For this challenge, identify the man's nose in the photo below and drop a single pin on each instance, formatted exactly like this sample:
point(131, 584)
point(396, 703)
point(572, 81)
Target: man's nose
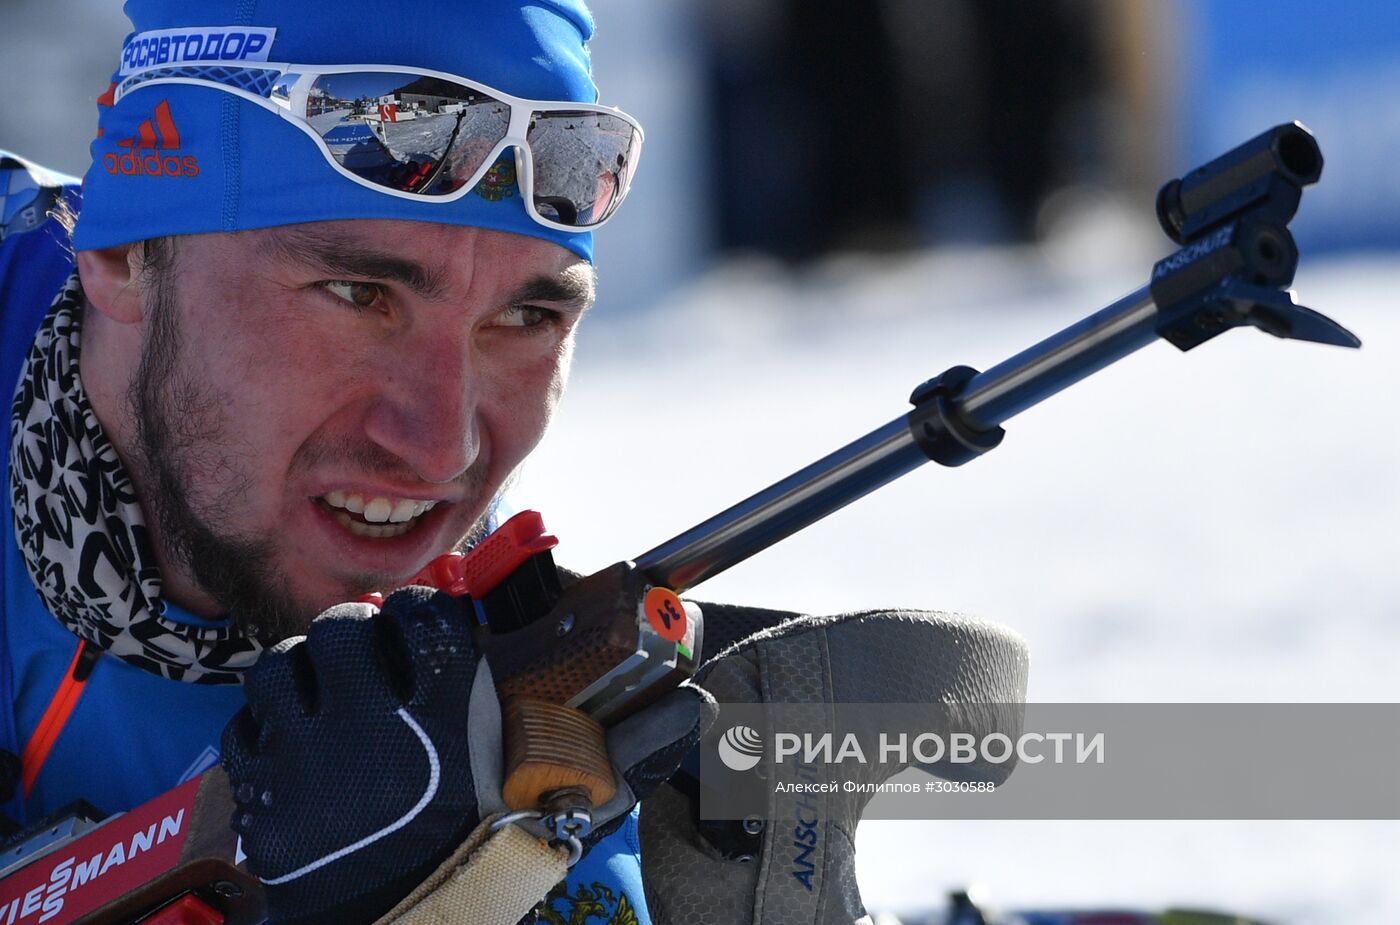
point(426, 409)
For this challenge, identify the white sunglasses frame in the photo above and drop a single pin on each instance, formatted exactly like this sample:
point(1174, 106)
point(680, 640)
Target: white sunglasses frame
point(516, 136)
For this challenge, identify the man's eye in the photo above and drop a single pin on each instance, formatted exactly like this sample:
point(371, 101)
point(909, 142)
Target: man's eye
point(361, 296)
point(528, 316)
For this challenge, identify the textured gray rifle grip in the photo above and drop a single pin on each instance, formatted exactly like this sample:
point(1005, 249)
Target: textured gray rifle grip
point(866, 657)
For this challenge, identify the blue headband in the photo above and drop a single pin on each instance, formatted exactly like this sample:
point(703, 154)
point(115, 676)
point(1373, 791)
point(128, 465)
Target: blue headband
point(223, 164)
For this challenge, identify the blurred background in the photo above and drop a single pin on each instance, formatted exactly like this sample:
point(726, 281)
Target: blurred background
point(839, 199)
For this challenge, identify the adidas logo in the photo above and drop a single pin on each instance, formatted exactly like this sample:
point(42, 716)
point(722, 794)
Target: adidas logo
point(151, 152)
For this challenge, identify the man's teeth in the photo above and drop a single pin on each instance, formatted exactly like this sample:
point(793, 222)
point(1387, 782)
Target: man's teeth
point(398, 512)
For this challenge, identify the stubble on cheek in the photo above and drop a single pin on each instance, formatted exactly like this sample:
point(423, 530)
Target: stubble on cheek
point(180, 423)
point(192, 433)
point(193, 477)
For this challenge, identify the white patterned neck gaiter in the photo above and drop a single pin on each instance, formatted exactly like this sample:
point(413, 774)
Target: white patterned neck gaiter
point(81, 528)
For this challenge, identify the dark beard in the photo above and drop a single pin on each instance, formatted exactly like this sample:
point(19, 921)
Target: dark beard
point(175, 421)
point(177, 430)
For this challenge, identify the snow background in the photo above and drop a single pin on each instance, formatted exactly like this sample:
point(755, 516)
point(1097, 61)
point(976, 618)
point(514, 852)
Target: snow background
point(1214, 526)
point(1211, 526)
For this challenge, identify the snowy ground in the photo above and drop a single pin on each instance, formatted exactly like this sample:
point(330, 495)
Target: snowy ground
point(1214, 526)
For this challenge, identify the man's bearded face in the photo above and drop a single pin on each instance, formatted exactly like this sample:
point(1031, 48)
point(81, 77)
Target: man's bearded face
point(321, 409)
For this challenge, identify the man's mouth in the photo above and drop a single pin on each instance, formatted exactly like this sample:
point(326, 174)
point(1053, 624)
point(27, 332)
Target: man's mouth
point(378, 517)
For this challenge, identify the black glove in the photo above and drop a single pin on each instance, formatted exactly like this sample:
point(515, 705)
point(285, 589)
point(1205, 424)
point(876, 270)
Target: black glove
point(349, 766)
point(371, 747)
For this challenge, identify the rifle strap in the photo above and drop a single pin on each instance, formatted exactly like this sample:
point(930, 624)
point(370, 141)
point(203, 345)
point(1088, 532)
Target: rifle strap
point(493, 878)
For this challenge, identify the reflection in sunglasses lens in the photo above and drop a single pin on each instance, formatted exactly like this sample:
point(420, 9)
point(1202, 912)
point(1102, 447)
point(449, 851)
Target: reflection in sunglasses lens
point(406, 132)
point(583, 163)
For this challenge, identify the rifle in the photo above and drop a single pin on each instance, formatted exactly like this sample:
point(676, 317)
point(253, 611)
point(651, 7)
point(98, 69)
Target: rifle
point(570, 660)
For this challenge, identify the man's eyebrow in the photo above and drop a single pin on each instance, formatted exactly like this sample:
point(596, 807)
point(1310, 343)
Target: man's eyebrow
point(339, 255)
point(574, 288)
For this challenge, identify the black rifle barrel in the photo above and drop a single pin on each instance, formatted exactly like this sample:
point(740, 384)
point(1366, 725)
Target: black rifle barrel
point(1059, 361)
point(885, 454)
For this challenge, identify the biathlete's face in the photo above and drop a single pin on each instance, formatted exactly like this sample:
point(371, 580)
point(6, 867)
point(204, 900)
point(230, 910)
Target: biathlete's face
point(321, 409)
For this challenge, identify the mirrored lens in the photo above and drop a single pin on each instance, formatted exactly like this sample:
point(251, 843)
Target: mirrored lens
point(407, 132)
point(583, 164)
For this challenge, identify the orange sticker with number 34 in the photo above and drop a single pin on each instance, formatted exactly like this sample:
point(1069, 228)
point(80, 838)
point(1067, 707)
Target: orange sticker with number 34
point(665, 613)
